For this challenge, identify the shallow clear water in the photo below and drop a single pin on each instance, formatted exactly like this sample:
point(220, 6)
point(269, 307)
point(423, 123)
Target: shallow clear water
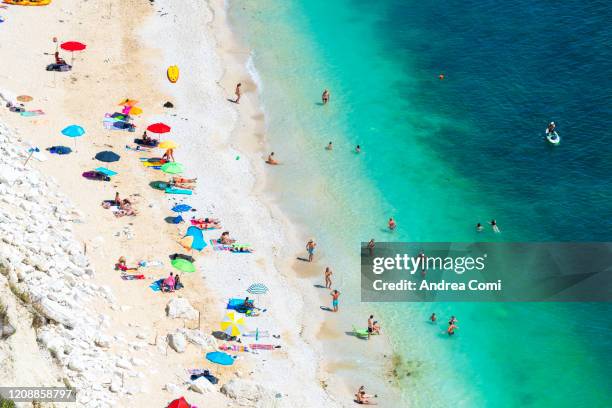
point(441, 155)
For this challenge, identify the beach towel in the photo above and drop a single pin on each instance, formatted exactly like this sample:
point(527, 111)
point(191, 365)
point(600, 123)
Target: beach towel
point(256, 334)
point(137, 148)
point(59, 67)
point(151, 143)
point(256, 346)
point(218, 246)
point(118, 125)
point(234, 348)
point(234, 304)
point(200, 224)
point(156, 286)
point(171, 190)
point(150, 264)
point(106, 171)
point(36, 112)
point(132, 277)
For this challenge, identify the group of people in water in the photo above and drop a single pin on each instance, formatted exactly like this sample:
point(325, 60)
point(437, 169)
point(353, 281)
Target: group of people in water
point(492, 223)
point(452, 326)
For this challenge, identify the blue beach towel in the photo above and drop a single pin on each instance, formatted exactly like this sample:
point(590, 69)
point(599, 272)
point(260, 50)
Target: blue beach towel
point(156, 286)
point(106, 171)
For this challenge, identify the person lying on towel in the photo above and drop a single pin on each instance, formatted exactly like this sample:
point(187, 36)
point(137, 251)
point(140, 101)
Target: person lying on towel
point(122, 265)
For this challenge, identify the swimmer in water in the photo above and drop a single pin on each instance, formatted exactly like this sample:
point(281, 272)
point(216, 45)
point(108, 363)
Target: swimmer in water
point(451, 329)
point(494, 226)
point(325, 96)
point(392, 224)
point(452, 320)
point(433, 318)
point(358, 149)
point(271, 159)
point(371, 246)
point(329, 146)
point(479, 227)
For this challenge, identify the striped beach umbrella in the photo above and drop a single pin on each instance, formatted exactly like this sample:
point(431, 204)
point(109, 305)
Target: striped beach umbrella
point(258, 289)
point(233, 324)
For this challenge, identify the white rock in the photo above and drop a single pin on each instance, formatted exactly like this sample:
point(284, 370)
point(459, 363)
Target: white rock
point(201, 385)
point(58, 313)
point(247, 392)
point(124, 363)
point(115, 385)
point(77, 363)
point(103, 341)
point(177, 341)
point(181, 308)
point(173, 389)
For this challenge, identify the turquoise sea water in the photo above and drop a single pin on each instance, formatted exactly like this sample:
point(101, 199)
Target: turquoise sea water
point(441, 155)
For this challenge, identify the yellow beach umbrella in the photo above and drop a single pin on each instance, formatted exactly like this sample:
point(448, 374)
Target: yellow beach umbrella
point(233, 324)
point(135, 110)
point(24, 98)
point(128, 102)
point(167, 144)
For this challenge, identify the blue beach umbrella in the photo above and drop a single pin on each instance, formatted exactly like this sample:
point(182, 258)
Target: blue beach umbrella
point(73, 131)
point(220, 358)
point(181, 208)
point(107, 156)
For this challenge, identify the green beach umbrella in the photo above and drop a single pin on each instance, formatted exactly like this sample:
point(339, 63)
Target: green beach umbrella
point(172, 168)
point(183, 265)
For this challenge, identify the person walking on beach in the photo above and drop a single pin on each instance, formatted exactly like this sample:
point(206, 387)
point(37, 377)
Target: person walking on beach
point(237, 92)
point(310, 248)
point(329, 146)
point(392, 224)
point(371, 246)
point(335, 295)
point(325, 96)
point(328, 281)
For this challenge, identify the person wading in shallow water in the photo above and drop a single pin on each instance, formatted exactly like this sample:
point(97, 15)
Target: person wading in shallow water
point(310, 248)
point(325, 96)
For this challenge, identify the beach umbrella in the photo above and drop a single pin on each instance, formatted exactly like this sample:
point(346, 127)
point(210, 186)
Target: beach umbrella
point(233, 324)
point(181, 208)
point(24, 98)
point(183, 265)
point(258, 289)
point(73, 131)
point(107, 156)
point(179, 403)
point(128, 102)
point(182, 256)
point(158, 128)
point(167, 144)
point(73, 46)
point(193, 239)
point(172, 168)
point(220, 358)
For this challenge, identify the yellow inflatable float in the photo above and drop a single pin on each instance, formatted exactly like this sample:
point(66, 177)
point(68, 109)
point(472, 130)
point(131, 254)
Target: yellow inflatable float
point(28, 2)
point(173, 73)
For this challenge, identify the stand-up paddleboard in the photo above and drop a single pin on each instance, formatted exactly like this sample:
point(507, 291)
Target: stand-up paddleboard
point(553, 138)
point(173, 73)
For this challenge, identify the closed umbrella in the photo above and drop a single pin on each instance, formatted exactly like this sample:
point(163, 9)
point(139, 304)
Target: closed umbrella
point(24, 98)
point(183, 265)
point(220, 358)
point(172, 168)
point(107, 156)
point(73, 131)
point(73, 46)
point(233, 324)
point(167, 144)
point(158, 128)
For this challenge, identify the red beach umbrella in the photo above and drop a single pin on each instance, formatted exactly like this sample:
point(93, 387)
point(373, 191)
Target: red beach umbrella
point(159, 128)
point(73, 46)
point(179, 403)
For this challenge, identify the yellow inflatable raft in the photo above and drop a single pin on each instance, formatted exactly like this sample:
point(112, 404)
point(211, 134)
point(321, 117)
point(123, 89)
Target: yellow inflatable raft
point(173, 73)
point(28, 2)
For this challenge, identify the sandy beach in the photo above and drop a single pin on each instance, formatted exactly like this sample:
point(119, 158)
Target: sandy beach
point(129, 46)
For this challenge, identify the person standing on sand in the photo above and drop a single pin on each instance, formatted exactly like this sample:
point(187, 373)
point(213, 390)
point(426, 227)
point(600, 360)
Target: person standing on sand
point(392, 224)
point(237, 92)
point(335, 295)
point(328, 281)
point(325, 96)
point(371, 246)
point(310, 248)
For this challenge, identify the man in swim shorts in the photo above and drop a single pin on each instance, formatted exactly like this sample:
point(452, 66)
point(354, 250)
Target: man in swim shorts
point(335, 295)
